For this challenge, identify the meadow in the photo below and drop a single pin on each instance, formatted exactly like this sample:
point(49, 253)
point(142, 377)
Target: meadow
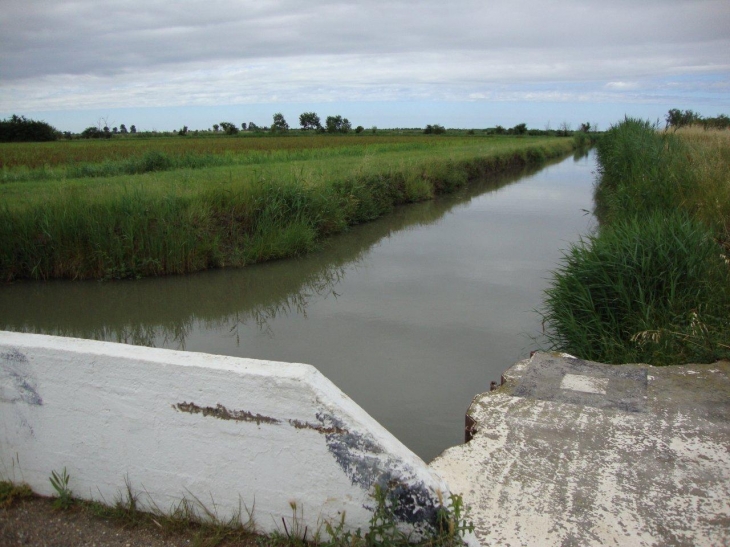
point(137, 207)
point(653, 284)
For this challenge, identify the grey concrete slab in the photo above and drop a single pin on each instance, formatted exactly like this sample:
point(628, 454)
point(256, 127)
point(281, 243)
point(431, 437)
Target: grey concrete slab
point(570, 452)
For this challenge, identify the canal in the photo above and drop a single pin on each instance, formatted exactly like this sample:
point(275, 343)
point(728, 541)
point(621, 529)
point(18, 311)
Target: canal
point(411, 315)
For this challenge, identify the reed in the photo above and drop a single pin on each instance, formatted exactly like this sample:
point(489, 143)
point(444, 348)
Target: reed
point(174, 221)
point(653, 284)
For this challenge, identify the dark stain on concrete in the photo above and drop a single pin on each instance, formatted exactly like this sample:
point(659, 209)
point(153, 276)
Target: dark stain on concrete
point(13, 365)
point(367, 464)
point(332, 430)
point(222, 413)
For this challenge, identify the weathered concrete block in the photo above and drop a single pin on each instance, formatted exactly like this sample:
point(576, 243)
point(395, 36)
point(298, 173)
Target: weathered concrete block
point(188, 425)
point(572, 452)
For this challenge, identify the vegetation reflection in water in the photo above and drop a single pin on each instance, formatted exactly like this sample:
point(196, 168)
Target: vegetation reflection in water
point(162, 312)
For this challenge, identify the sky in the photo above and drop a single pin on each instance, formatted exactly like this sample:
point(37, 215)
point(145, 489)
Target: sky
point(459, 63)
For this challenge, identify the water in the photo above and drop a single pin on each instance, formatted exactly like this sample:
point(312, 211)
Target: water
point(411, 315)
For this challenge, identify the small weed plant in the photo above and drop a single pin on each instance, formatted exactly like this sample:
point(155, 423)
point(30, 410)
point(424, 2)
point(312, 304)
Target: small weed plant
point(60, 485)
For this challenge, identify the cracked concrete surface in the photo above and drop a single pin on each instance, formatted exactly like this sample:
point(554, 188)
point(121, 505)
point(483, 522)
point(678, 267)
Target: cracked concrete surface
point(569, 452)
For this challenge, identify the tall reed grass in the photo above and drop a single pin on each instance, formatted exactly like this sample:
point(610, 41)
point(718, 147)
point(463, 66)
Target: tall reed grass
point(183, 220)
point(653, 285)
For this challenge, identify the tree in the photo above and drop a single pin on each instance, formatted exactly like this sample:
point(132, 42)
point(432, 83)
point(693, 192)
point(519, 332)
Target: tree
point(184, 131)
point(21, 129)
point(585, 127)
point(252, 126)
point(95, 133)
point(434, 129)
point(229, 128)
point(123, 129)
point(243, 126)
point(338, 124)
point(215, 127)
point(333, 123)
point(132, 129)
point(359, 129)
point(677, 118)
point(564, 130)
point(519, 129)
point(309, 120)
point(279, 123)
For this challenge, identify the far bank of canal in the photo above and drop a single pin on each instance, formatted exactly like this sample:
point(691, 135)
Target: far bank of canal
point(410, 315)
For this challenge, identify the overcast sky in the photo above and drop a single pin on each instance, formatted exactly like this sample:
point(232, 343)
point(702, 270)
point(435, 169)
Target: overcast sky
point(460, 63)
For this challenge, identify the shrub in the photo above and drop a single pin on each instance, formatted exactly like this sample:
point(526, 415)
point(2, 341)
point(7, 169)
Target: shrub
point(21, 129)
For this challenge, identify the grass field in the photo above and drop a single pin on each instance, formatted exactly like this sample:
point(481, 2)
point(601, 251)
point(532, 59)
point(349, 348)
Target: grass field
point(138, 207)
point(653, 285)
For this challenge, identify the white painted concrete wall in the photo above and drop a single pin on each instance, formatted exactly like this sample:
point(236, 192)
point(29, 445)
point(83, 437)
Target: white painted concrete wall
point(220, 429)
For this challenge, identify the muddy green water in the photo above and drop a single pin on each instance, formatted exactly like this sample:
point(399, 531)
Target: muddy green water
point(411, 315)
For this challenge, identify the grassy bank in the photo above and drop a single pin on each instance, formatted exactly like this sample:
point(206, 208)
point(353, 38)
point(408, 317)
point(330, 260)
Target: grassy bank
point(255, 205)
point(653, 285)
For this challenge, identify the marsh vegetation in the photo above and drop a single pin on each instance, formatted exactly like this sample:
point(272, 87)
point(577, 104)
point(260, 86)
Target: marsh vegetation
point(653, 284)
point(133, 207)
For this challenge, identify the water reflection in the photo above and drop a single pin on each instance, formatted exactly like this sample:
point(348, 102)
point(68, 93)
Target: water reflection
point(164, 311)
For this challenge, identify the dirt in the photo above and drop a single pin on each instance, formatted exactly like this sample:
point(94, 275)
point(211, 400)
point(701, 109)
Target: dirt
point(35, 522)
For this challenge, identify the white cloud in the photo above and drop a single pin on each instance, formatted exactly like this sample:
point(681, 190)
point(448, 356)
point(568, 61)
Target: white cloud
point(91, 53)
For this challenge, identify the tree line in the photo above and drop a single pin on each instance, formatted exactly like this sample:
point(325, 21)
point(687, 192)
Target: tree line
point(676, 118)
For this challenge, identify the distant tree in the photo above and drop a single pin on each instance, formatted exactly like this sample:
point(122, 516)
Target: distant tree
point(564, 130)
point(115, 130)
point(21, 129)
point(252, 126)
point(434, 129)
point(680, 118)
point(719, 122)
point(184, 131)
point(374, 130)
point(95, 133)
point(279, 123)
point(337, 124)
point(309, 120)
point(585, 127)
point(333, 124)
point(519, 129)
point(67, 135)
point(215, 127)
point(123, 129)
point(499, 130)
point(243, 126)
point(359, 129)
point(229, 128)
point(132, 129)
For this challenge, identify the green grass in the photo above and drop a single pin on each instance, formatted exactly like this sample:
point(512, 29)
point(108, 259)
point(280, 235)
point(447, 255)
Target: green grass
point(653, 285)
point(174, 220)
point(193, 522)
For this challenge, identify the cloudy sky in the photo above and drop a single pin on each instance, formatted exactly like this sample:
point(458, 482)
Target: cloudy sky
point(459, 63)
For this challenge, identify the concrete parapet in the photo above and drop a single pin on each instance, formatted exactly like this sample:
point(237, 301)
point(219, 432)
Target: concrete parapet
point(228, 432)
point(571, 452)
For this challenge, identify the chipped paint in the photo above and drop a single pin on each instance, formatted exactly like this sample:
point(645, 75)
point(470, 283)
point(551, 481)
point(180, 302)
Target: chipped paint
point(222, 413)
